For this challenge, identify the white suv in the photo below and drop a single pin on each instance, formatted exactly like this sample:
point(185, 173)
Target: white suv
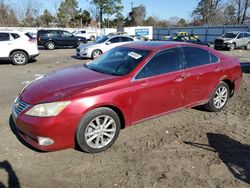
point(89, 35)
point(17, 47)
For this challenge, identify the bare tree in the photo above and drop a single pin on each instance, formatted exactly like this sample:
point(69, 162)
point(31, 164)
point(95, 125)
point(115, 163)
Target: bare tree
point(242, 6)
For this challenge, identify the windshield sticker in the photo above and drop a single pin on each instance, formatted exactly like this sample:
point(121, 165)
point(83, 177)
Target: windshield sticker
point(134, 55)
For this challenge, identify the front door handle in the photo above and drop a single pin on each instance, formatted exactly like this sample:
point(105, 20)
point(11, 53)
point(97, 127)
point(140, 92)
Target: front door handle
point(144, 82)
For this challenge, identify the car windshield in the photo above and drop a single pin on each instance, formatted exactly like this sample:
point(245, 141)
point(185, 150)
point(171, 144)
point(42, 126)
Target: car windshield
point(229, 35)
point(118, 61)
point(102, 40)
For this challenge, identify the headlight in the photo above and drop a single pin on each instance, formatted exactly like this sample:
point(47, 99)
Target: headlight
point(84, 49)
point(48, 109)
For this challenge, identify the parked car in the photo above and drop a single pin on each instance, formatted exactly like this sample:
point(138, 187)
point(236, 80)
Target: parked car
point(17, 47)
point(178, 34)
point(190, 39)
point(89, 35)
point(232, 40)
point(87, 105)
point(94, 50)
point(51, 39)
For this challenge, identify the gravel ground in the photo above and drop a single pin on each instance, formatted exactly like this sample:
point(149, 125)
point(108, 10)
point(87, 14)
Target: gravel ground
point(189, 148)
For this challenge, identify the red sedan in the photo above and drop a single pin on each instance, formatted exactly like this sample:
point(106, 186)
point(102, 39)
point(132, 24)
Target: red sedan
point(87, 105)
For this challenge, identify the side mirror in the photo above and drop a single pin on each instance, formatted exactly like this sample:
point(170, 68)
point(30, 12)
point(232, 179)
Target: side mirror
point(108, 43)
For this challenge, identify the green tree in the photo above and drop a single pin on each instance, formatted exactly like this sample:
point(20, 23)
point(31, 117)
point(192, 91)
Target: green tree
point(106, 7)
point(207, 11)
point(84, 17)
point(136, 16)
point(46, 18)
point(67, 12)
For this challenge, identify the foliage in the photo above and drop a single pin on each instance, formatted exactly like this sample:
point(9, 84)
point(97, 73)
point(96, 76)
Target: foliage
point(7, 15)
point(106, 7)
point(67, 12)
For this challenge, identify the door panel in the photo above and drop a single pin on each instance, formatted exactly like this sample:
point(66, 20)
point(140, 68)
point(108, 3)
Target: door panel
point(202, 73)
point(5, 44)
point(158, 87)
point(156, 95)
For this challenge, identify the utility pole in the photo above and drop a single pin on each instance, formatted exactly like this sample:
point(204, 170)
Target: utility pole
point(132, 6)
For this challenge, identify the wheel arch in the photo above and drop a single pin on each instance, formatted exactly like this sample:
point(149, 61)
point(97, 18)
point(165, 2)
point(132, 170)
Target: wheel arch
point(22, 50)
point(230, 84)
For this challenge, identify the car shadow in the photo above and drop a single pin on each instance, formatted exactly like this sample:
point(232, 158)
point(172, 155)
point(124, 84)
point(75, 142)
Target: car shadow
point(7, 62)
point(79, 58)
point(15, 132)
point(245, 66)
point(13, 181)
point(235, 155)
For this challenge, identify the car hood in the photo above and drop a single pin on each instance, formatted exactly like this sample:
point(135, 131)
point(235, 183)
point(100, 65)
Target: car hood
point(89, 45)
point(224, 39)
point(64, 85)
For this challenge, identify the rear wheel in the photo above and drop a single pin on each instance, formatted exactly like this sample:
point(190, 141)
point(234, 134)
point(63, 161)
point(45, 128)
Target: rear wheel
point(98, 130)
point(96, 54)
point(50, 45)
point(19, 58)
point(219, 98)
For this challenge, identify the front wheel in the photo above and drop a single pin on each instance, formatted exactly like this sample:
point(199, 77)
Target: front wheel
point(96, 54)
point(248, 46)
point(232, 47)
point(219, 98)
point(98, 130)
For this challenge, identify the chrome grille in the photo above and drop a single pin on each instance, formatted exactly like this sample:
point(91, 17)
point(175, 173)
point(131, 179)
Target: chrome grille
point(20, 106)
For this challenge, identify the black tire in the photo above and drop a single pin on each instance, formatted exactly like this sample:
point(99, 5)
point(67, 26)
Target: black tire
point(248, 46)
point(92, 38)
point(50, 45)
point(88, 125)
point(19, 58)
point(96, 53)
point(232, 47)
point(212, 106)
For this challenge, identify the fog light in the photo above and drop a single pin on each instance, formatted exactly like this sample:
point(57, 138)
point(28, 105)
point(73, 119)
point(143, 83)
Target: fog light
point(45, 141)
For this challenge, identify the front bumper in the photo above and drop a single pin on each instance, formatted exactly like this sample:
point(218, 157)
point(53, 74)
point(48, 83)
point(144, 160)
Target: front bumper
point(85, 54)
point(222, 45)
point(58, 129)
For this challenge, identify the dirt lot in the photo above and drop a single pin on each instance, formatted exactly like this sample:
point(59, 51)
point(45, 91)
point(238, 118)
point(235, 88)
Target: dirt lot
point(190, 148)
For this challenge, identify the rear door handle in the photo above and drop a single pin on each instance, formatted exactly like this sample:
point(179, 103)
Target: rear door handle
point(218, 69)
point(183, 76)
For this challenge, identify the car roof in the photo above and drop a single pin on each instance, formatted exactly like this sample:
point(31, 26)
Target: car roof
point(153, 45)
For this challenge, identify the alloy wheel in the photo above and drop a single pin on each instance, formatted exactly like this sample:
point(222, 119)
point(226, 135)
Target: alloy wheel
point(221, 97)
point(100, 131)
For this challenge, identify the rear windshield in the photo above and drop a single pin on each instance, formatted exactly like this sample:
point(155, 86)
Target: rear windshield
point(29, 35)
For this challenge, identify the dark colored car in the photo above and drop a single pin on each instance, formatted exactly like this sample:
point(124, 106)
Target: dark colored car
point(87, 105)
point(189, 39)
point(51, 39)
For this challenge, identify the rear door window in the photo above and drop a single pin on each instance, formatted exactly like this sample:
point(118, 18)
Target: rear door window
point(164, 62)
point(126, 39)
point(4, 36)
point(196, 57)
point(115, 40)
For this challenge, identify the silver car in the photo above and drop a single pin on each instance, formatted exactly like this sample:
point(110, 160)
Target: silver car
point(232, 40)
point(95, 49)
